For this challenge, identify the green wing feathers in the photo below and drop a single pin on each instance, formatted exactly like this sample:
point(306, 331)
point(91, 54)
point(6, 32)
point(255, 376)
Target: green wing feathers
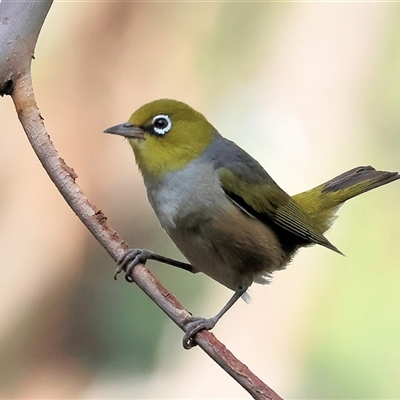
point(271, 205)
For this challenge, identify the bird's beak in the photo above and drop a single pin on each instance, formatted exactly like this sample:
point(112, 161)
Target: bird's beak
point(127, 130)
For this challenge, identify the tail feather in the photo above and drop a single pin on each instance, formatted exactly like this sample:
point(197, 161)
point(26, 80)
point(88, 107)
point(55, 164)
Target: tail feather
point(357, 181)
point(322, 202)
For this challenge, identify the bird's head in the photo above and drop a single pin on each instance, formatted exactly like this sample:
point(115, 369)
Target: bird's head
point(165, 136)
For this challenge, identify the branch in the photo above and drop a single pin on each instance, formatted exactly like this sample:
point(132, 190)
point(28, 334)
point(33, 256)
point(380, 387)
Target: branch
point(19, 29)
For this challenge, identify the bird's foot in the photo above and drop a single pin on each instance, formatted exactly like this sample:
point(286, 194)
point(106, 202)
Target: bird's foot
point(128, 261)
point(194, 325)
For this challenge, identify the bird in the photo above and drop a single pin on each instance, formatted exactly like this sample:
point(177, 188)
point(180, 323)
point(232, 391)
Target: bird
point(220, 207)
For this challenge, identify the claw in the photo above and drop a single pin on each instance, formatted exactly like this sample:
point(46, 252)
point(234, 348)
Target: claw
point(196, 324)
point(128, 261)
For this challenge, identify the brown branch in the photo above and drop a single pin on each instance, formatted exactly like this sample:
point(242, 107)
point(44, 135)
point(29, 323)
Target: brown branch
point(17, 42)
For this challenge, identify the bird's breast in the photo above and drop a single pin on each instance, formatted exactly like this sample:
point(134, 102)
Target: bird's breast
point(186, 196)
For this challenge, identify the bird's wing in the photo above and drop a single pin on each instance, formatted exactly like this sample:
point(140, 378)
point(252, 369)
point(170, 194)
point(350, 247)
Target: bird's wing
point(266, 201)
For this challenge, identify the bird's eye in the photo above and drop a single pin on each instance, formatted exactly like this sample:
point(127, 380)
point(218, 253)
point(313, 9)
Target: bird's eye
point(161, 124)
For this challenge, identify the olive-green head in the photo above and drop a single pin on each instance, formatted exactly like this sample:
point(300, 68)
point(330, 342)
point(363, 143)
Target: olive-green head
point(165, 136)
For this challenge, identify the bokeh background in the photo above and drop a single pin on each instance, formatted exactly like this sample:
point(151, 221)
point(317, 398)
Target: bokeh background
point(310, 90)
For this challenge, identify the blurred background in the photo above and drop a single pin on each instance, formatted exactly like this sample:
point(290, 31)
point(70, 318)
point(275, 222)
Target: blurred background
point(310, 90)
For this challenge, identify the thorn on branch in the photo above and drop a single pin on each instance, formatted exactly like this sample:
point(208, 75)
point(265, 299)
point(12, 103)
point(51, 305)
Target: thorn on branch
point(69, 170)
point(7, 88)
point(100, 217)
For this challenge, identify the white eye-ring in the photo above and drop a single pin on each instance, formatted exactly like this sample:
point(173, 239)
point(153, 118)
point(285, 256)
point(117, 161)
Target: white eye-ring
point(161, 124)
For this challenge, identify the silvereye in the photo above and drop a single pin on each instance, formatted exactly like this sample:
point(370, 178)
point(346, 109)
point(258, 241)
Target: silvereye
point(220, 207)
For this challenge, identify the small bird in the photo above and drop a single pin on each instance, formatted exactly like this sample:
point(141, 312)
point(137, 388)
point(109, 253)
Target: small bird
point(223, 211)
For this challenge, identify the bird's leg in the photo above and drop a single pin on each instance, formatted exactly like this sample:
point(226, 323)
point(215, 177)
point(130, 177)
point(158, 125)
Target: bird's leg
point(196, 324)
point(132, 257)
